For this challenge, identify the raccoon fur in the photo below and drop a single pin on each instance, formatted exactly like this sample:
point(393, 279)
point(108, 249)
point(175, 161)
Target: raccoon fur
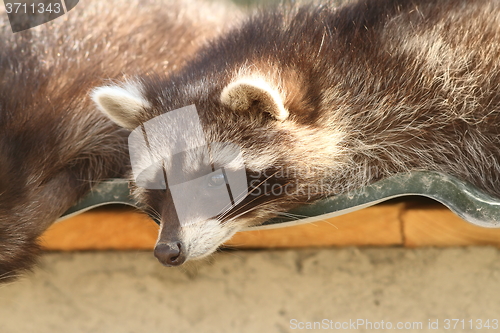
point(322, 100)
point(54, 144)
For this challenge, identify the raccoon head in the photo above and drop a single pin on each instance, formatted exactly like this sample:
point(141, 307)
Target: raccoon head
point(209, 159)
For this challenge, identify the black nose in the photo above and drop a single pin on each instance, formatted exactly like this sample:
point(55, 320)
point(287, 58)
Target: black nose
point(170, 254)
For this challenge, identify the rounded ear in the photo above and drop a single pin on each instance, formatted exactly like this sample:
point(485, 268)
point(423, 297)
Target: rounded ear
point(241, 94)
point(121, 104)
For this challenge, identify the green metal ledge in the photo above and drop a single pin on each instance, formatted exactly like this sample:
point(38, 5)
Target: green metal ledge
point(463, 199)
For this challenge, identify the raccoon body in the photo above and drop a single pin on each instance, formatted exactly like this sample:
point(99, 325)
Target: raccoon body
point(54, 144)
point(322, 100)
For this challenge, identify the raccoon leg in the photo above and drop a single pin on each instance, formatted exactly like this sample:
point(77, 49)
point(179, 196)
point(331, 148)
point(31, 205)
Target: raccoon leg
point(23, 222)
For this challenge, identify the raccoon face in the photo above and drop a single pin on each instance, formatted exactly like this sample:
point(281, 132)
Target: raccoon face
point(228, 160)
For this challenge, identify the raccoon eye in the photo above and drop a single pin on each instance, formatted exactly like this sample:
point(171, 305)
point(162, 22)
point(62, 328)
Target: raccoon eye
point(215, 180)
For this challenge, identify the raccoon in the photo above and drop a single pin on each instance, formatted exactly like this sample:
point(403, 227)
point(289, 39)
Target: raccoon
point(54, 144)
point(322, 100)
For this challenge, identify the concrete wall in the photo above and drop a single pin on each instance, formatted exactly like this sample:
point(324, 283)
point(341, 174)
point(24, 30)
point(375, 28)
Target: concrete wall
point(254, 291)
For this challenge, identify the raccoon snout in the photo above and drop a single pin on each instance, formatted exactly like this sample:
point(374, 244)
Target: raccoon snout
point(170, 254)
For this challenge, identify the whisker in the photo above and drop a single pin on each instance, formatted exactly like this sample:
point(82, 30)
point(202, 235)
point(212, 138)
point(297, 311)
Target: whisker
point(232, 219)
point(239, 208)
point(294, 216)
point(228, 207)
point(152, 211)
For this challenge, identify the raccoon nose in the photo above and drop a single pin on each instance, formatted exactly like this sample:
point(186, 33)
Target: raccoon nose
point(170, 254)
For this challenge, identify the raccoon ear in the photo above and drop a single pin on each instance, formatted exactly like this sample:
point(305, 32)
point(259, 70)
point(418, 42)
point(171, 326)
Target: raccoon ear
point(121, 104)
point(241, 94)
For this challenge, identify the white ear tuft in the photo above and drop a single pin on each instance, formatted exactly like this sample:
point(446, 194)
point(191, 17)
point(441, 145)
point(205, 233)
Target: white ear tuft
point(241, 94)
point(121, 104)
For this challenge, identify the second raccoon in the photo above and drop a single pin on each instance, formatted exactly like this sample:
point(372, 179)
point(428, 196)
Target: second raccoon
point(54, 144)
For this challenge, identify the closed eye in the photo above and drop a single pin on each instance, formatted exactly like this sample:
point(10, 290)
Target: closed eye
point(216, 179)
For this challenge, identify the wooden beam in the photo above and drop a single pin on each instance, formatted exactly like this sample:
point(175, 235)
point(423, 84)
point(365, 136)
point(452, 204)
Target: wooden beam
point(402, 223)
point(435, 225)
point(373, 226)
point(106, 228)
point(127, 229)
